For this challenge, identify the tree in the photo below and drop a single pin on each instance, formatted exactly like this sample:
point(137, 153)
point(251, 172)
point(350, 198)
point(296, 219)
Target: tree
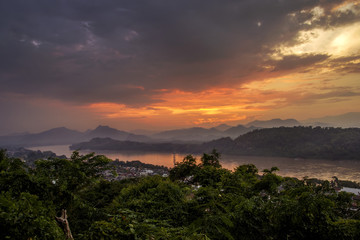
point(269, 182)
point(14, 176)
point(184, 169)
point(154, 196)
point(25, 217)
point(211, 215)
point(211, 159)
point(222, 204)
point(64, 180)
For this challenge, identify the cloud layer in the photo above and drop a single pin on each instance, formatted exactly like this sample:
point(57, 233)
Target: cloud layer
point(134, 53)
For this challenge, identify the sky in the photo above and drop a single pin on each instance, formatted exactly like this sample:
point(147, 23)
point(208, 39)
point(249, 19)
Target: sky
point(160, 64)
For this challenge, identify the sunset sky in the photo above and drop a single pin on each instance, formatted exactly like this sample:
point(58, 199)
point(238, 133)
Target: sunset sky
point(164, 64)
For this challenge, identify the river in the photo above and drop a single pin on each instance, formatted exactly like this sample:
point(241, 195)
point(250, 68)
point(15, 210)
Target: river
point(299, 168)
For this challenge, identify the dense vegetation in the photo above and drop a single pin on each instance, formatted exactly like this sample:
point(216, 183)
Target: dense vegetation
point(117, 145)
point(30, 156)
point(200, 200)
point(305, 142)
point(297, 142)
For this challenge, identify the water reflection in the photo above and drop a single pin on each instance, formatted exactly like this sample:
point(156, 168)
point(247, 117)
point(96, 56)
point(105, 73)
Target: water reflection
point(299, 168)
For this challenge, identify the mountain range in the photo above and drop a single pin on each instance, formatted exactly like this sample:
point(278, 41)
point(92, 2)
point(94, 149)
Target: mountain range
point(277, 122)
point(294, 142)
point(351, 119)
point(62, 135)
point(198, 134)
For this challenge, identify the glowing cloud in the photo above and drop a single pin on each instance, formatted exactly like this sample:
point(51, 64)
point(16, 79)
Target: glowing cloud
point(167, 64)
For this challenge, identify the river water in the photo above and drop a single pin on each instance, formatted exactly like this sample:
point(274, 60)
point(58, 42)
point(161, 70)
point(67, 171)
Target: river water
point(299, 168)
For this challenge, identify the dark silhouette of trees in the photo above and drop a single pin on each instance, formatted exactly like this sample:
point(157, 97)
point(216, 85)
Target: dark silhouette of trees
point(198, 201)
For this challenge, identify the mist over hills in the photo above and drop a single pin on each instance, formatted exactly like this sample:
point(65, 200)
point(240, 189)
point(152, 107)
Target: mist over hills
point(297, 142)
point(55, 136)
point(222, 127)
point(189, 134)
point(277, 122)
point(63, 135)
point(351, 119)
point(234, 132)
point(198, 134)
point(106, 131)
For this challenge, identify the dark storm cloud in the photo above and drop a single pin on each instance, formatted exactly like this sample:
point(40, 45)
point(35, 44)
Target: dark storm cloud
point(334, 95)
point(346, 64)
point(106, 50)
point(290, 62)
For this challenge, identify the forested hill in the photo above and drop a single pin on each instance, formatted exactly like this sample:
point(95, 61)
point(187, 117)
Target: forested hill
point(108, 144)
point(297, 142)
point(306, 142)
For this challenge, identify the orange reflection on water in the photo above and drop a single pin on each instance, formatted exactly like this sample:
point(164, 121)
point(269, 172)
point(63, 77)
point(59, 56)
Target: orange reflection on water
point(299, 168)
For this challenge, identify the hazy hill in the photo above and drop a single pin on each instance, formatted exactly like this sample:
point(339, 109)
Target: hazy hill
point(144, 132)
point(108, 132)
point(198, 134)
point(222, 127)
point(116, 145)
point(303, 142)
point(234, 132)
point(190, 134)
point(351, 119)
point(277, 122)
point(55, 136)
point(62, 135)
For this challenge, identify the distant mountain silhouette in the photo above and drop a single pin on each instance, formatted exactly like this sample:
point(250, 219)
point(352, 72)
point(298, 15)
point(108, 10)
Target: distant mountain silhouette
point(108, 132)
point(62, 135)
point(108, 144)
point(195, 134)
point(144, 132)
point(222, 127)
point(351, 119)
point(317, 124)
point(294, 142)
point(55, 136)
point(277, 122)
point(234, 132)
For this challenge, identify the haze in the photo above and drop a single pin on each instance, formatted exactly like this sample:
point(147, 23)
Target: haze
point(160, 64)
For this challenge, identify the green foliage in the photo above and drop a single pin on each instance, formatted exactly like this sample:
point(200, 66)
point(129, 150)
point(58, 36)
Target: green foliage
point(62, 179)
point(212, 216)
point(211, 159)
point(184, 169)
point(210, 175)
point(206, 173)
point(247, 173)
point(14, 175)
point(72, 174)
point(269, 182)
point(154, 196)
point(25, 217)
point(198, 201)
point(134, 226)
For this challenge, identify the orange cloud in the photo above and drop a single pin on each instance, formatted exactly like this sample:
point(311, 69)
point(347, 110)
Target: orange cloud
point(238, 104)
